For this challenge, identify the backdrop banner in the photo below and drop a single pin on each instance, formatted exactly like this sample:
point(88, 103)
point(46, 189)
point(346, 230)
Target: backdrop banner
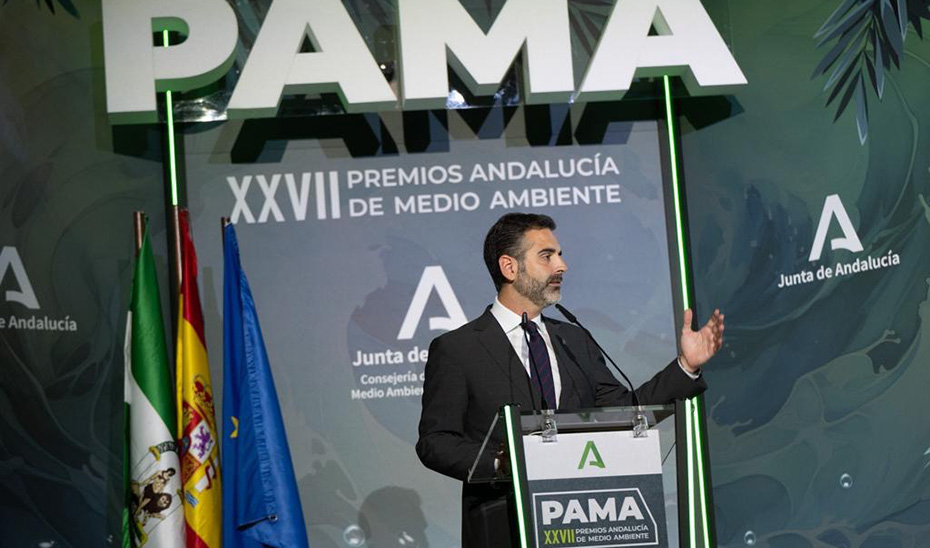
point(357, 263)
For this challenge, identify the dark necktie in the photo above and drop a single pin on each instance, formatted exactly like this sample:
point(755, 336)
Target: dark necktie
point(539, 355)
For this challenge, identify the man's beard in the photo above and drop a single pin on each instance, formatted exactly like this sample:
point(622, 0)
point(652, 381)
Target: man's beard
point(537, 292)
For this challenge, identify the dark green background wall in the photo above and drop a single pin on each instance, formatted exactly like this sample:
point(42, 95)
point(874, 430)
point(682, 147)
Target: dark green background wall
point(816, 411)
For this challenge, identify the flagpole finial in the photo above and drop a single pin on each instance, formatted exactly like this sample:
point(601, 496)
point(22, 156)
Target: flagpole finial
point(224, 222)
point(138, 225)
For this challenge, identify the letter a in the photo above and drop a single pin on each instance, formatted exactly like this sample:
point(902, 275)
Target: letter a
point(433, 279)
point(629, 509)
point(688, 45)
point(341, 63)
point(9, 259)
point(833, 207)
point(591, 449)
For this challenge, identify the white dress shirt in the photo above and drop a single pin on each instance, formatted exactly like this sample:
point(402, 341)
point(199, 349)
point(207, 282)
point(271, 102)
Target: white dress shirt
point(510, 323)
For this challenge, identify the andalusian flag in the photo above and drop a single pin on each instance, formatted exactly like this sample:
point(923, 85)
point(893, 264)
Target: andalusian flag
point(200, 452)
point(153, 516)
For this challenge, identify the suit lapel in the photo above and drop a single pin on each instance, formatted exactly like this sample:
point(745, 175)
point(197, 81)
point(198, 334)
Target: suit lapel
point(498, 347)
point(568, 369)
point(493, 340)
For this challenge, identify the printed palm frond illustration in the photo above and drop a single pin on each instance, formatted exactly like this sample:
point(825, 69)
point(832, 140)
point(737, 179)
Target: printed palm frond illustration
point(867, 38)
point(67, 5)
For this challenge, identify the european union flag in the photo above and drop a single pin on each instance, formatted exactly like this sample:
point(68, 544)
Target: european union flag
point(260, 502)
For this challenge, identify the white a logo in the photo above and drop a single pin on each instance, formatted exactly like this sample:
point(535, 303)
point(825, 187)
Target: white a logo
point(833, 207)
point(433, 279)
point(9, 260)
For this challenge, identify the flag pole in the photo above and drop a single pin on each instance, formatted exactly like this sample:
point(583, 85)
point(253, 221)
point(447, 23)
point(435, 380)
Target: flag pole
point(177, 268)
point(138, 222)
point(138, 227)
point(148, 409)
point(224, 222)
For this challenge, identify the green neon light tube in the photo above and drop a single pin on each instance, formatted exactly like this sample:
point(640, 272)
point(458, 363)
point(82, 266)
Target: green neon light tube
point(691, 425)
point(517, 488)
point(673, 153)
point(700, 470)
point(172, 162)
point(692, 529)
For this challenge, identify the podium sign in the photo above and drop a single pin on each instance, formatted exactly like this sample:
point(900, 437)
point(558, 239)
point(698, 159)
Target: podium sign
point(595, 490)
point(596, 478)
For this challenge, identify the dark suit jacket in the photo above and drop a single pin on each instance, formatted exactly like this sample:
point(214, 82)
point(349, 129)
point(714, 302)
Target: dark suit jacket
point(473, 370)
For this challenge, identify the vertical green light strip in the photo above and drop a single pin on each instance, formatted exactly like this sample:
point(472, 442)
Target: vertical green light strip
point(673, 153)
point(685, 296)
point(692, 529)
point(172, 163)
point(700, 469)
point(515, 470)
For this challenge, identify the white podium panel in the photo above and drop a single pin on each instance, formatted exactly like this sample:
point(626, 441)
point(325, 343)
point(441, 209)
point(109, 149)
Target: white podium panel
point(596, 490)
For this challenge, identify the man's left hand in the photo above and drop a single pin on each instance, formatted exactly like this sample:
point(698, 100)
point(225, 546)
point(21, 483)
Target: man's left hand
point(699, 346)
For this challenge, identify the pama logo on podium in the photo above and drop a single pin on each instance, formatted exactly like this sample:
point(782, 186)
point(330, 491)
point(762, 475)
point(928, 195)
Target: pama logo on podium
point(594, 518)
point(835, 213)
point(25, 297)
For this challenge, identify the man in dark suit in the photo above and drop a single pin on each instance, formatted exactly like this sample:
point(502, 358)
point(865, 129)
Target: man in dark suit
point(484, 364)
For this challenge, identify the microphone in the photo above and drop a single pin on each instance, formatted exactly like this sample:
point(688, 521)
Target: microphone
point(584, 374)
point(524, 323)
point(571, 318)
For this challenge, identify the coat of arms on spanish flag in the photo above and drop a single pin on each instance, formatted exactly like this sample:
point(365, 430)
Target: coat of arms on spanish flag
point(197, 432)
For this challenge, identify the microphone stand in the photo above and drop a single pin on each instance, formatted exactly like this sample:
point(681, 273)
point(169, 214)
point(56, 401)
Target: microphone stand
point(640, 424)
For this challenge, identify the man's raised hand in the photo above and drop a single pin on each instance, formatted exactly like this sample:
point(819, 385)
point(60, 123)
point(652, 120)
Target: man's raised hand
point(699, 346)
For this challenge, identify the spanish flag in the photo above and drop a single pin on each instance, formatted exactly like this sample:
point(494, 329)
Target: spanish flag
point(199, 440)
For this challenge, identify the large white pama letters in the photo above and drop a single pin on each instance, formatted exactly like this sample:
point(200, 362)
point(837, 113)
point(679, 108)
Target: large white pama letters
point(540, 28)
point(431, 35)
point(688, 45)
point(136, 68)
point(341, 63)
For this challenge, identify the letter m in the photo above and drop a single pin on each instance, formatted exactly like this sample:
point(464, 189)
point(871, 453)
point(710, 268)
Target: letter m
point(833, 207)
point(9, 260)
point(538, 28)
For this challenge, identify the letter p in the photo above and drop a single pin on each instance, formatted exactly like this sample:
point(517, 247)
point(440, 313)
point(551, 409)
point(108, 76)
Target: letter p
point(136, 68)
point(551, 510)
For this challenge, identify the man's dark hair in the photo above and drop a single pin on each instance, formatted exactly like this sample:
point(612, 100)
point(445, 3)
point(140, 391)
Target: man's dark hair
point(506, 238)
